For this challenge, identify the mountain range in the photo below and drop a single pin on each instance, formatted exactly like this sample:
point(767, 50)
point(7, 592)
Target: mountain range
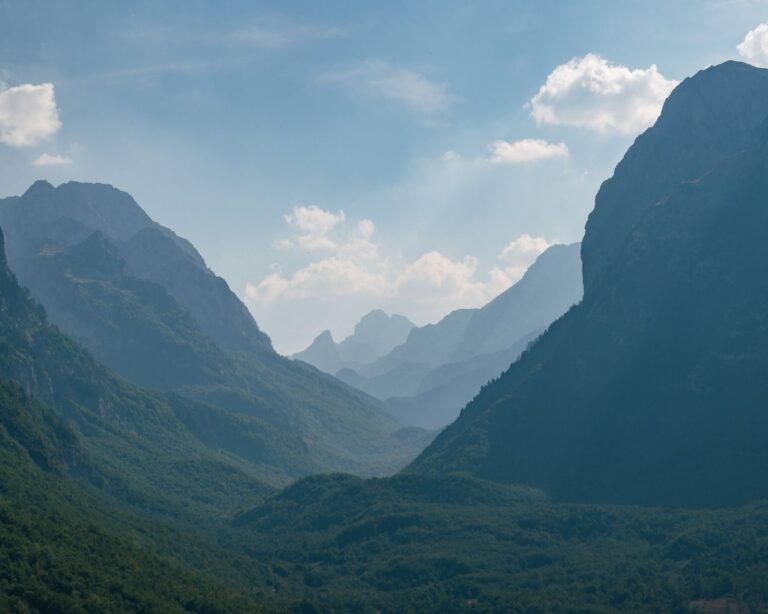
point(143, 302)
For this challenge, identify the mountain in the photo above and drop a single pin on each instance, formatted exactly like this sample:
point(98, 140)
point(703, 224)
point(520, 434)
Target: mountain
point(441, 367)
point(549, 287)
point(444, 391)
point(63, 549)
point(652, 389)
point(145, 439)
point(375, 335)
point(142, 301)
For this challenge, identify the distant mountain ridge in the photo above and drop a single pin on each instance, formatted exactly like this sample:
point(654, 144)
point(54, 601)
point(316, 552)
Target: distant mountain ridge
point(652, 390)
point(375, 335)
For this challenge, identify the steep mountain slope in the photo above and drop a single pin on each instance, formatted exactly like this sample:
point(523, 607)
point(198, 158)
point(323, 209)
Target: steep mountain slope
point(61, 549)
point(90, 293)
point(141, 437)
point(375, 335)
point(652, 390)
point(146, 305)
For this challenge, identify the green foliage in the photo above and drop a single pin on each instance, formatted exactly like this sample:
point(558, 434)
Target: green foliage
point(454, 543)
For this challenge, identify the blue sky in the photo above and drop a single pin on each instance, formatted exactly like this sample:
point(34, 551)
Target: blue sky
point(329, 158)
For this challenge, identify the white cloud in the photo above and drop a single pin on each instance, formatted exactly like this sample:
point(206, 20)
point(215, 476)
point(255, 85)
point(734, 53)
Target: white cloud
point(312, 226)
point(591, 92)
point(754, 47)
point(356, 267)
point(526, 150)
point(327, 279)
point(28, 114)
point(435, 278)
point(47, 159)
point(401, 85)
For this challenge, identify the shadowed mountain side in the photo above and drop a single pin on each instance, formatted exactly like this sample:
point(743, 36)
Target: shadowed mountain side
point(652, 390)
point(150, 454)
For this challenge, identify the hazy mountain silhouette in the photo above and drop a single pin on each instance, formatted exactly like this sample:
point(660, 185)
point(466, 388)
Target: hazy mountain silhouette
point(652, 390)
point(375, 335)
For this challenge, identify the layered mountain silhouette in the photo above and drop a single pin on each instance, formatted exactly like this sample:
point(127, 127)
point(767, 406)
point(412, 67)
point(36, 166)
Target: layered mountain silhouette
point(652, 390)
point(142, 301)
point(375, 335)
point(440, 367)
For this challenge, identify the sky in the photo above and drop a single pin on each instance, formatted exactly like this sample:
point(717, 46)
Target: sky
point(332, 158)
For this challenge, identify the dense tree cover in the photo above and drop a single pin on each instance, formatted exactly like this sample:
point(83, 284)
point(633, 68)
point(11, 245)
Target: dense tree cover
point(454, 543)
point(61, 550)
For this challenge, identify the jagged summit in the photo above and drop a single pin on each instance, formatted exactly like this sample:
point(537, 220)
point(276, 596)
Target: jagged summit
point(375, 335)
point(95, 205)
point(39, 189)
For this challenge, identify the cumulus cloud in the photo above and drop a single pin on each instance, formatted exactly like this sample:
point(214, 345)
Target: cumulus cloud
point(527, 150)
point(356, 267)
point(47, 159)
point(28, 114)
point(435, 277)
point(312, 226)
point(754, 47)
point(329, 278)
point(396, 84)
point(593, 93)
